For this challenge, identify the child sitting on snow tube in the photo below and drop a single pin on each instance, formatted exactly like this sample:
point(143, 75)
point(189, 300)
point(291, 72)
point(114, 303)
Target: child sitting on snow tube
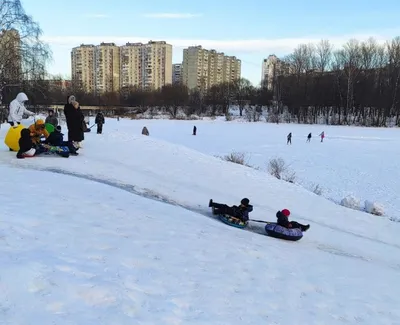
point(38, 130)
point(240, 212)
point(283, 220)
point(26, 146)
point(285, 229)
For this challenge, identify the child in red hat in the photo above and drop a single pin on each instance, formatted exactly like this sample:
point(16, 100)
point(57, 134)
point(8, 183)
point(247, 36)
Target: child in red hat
point(283, 220)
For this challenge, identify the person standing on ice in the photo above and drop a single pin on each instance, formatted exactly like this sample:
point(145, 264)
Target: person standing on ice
point(99, 120)
point(75, 120)
point(51, 119)
point(322, 135)
point(17, 110)
point(194, 130)
point(289, 138)
point(283, 221)
point(309, 137)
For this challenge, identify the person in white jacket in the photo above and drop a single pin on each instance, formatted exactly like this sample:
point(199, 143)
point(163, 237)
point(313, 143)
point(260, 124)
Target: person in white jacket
point(17, 109)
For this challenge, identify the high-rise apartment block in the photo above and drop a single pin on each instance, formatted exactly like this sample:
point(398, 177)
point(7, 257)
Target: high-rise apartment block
point(201, 68)
point(110, 68)
point(106, 68)
point(147, 66)
point(10, 55)
point(83, 67)
point(177, 73)
point(273, 67)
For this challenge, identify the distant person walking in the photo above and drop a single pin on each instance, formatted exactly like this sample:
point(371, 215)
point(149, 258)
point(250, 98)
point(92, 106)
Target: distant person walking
point(309, 137)
point(194, 130)
point(99, 120)
point(289, 138)
point(322, 135)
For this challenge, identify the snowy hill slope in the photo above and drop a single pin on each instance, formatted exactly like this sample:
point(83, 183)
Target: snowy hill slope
point(96, 254)
point(348, 163)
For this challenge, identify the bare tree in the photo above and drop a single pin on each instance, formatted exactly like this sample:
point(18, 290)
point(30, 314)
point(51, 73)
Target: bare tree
point(350, 59)
point(242, 90)
point(23, 56)
point(323, 56)
point(393, 49)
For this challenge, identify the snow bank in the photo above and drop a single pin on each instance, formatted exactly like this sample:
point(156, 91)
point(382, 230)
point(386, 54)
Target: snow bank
point(351, 202)
point(374, 208)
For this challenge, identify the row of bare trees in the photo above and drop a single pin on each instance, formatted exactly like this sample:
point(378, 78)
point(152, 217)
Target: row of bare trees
point(357, 84)
point(171, 98)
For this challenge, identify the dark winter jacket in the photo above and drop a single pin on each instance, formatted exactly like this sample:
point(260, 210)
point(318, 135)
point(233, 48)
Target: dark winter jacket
point(25, 142)
point(99, 119)
point(56, 138)
point(52, 120)
point(242, 211)
point(75, 119)
point(282, 220)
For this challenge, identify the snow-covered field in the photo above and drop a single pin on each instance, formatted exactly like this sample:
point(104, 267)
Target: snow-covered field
point(362, 162)
point(121, 234)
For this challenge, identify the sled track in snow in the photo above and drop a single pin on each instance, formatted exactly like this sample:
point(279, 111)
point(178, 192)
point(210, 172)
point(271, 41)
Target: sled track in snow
point(152, 195)
point(143, 192)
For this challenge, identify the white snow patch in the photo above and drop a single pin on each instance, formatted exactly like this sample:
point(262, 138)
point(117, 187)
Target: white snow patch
point(374, 208)
point(351, 202)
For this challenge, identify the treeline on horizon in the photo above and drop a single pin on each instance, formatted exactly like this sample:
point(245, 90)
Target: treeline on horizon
point(356, 84)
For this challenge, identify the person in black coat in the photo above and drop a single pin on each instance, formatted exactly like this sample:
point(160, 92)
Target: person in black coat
point(99, 120)
point(26, 146)
point(283, 221)
point(240, 212)
point(75, 119)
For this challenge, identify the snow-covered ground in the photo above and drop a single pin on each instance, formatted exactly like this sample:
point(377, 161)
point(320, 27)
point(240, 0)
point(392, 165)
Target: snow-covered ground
point(128, 238)
point(352, 160)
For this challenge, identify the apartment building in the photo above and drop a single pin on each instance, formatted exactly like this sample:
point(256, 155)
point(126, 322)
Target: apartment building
point(110, 68)
point(147, 66)
point(202, 68)
point(106, 68)
point(10, 55)
point(177, 73)
point(83, 67)
point(273, 67)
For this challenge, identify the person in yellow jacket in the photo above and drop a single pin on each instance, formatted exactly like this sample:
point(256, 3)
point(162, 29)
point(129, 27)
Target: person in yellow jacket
point(38, 130)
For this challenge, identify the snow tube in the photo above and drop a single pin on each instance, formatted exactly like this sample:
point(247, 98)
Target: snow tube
point(12, 137)
point(277, 231)
point(49, 127)
point(55, 149)
point(234, 222)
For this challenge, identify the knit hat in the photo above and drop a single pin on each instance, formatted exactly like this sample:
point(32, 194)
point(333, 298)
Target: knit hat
point(245, 202)
point(286, 212)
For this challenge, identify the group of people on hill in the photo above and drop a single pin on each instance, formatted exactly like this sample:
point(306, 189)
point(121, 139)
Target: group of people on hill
point(241, 212)
point(289, 137)
point(32, 143)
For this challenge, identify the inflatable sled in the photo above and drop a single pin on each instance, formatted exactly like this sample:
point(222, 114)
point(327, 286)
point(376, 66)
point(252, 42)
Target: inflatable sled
point(62, 151)
point(276, 231)
point(232, 221)
point(49, 127)
point(12, 137)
